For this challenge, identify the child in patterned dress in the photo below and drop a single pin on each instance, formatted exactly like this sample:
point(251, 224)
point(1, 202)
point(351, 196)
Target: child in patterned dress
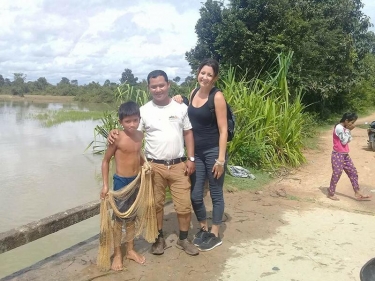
point(340, 158)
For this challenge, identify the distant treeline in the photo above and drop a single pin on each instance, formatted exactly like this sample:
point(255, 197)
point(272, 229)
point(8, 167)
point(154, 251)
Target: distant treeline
point(332, 67)
point(92, 92)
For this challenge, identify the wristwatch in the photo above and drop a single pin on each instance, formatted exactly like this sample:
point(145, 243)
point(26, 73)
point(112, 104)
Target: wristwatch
point(192, 159)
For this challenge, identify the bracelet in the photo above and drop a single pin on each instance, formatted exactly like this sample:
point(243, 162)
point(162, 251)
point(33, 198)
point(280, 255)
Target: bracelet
point(219, 163)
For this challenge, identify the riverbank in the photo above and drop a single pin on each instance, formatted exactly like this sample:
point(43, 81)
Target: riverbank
point(288, 231)
point(265, 237)
point(37, 98)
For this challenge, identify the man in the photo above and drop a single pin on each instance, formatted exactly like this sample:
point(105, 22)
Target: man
point(166, 126)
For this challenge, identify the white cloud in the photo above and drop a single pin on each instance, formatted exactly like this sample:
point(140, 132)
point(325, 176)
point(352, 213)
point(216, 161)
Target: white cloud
point(96, 40)
point(369, 10)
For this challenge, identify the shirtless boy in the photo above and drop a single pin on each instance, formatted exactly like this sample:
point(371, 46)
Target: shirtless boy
point(127, 152)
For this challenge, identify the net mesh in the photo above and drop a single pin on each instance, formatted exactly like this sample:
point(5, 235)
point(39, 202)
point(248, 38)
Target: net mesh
point(141, 213)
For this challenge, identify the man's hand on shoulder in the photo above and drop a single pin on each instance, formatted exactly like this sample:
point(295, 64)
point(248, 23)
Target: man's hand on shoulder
point(112, 136)
point(181, 99)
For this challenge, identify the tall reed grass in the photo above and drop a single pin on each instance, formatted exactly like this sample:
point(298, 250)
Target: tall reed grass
point(268, 122)
point(109, 119)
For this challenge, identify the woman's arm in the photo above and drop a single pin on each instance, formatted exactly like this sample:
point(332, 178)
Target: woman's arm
point(222, 124)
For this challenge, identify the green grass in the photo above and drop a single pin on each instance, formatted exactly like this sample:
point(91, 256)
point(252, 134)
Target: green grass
point(168, 195)
point(232, 184)
point(53, 118)
point(311, 142)
point(292, 197)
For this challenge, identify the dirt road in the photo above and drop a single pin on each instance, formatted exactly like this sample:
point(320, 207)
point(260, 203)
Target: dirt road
point(291, 231)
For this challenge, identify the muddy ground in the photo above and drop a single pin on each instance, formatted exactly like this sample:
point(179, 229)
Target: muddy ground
point(290, 231)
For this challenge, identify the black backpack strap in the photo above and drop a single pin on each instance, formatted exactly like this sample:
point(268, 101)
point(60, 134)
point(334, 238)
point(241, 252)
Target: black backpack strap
point(193, 94)
point(211, 99)
point(185, 100)
point(211, 102)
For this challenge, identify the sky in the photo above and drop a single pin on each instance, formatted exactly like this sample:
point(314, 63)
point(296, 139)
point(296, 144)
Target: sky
point(95, 40)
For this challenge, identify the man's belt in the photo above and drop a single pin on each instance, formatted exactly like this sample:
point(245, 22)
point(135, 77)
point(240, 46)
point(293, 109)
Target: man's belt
point(167, 162)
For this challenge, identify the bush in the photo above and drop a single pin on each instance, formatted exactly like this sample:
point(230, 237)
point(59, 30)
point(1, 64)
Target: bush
point(268, 124)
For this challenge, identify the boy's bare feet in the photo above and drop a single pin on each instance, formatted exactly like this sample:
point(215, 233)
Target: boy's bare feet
point(117, 263)
point(133, 255)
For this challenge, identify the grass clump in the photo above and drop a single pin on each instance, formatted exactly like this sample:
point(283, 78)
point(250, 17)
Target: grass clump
point(269, 119)
point(52, 118)
point(109, 119)
point(233, 184)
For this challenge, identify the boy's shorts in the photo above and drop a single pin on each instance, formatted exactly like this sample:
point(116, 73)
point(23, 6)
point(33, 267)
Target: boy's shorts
point(124, 205)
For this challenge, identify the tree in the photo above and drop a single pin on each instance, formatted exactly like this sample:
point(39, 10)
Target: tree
point(189, 79)
point(64, 80)
point(328, 38)
point(177, 79)
point(18, 86)
point(107, 83)
point(41, 83)
point(74, 82)
point(128, 77)
point(19, 78)
point(207, 29)
point(2, 81)
point(188, 82)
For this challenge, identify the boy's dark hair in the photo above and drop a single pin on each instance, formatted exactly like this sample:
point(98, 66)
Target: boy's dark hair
point(350, 116)
point(157, 73)
point(129, 108)
point(210, 62)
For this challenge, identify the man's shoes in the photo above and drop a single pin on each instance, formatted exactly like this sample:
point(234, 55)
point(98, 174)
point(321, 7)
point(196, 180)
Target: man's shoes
point(210, 242)
point(187, 246)
point(201, 235)
point(158, 247)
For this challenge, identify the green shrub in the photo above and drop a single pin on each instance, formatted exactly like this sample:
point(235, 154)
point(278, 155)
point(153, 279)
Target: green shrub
point(268, 124)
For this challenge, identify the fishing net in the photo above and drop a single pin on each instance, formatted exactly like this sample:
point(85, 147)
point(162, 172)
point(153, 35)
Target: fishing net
point(139, 215)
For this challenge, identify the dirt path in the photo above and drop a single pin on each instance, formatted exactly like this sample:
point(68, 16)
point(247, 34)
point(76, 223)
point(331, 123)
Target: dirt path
point(312, 179)
point(289, 232)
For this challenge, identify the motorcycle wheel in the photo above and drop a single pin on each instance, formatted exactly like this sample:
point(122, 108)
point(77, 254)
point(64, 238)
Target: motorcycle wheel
point(373, 145)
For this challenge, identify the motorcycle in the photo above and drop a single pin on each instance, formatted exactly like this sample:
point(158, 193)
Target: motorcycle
point(371, 136)
point(367, 272)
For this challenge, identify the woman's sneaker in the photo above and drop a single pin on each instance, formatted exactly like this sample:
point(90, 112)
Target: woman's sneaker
point(210, 242)
point(201, 235)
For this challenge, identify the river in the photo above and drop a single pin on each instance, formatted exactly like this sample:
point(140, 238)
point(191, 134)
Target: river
point(44, 170)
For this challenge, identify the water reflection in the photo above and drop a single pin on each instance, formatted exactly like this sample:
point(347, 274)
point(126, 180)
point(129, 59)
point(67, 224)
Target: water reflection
point(44, 170)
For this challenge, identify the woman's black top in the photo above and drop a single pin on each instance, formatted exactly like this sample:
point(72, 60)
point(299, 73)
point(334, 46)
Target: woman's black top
point(205, 129)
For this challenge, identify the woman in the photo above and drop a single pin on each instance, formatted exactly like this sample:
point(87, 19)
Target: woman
point(210, 140)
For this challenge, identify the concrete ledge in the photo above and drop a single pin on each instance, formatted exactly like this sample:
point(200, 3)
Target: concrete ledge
point(52, 268)
point(24, 234)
